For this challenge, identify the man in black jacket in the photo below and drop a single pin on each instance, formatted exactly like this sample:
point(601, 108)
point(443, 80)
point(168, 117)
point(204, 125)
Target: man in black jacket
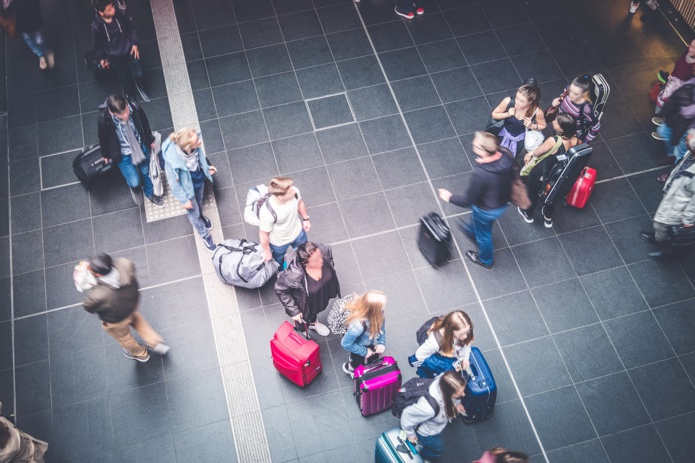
point(116, 44)
point(29, 23)
point(125, 138)
point(487, 195)
point(679, 116)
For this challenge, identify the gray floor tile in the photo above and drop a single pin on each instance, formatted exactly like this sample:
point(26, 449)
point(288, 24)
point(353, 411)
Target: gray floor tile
point(175, 305)
point(620, 122)
point(23, 142)
point(78, 376)
point(613, 293)
point(330, 111)
point(639, 445)
point(213, 15)
point(664, 402)
point(511, 426)
point(211, 442)
point(515, 318)
point(109, 229)
point(429, 124)
point(381, 256)
point(341, 143)
point(110, 196)
point(341, 454)
point(565, 305)
point(411, 202)
point(27, 255)
point(260, 33)
point(613, 404)
point(256, 10)
point(235, 98)
point(150, 449)
point(220, 41)
point(25, 177)
point(354, 178)
point(269, 60)
point(586, 451)
point(675, 434)
point(570, 219)
point(506, 270)
point(5, 299)
point(555, 429)
point(538, 367)
point(349, 44)
point(205, 104)
point(626, 334)
point(285, 121)
point(90, 421)
point(467, 115)
point(29, 295)
point(166, 229)
point(372, 102)
point(61, 205)
point(643, 186)
point(543, 262)
point(32, 385)
point(172, 266)
point(509, 36)
point(320, 81)
point(27, 214)
point(390, 36)
point(243, 129)
point(647, 274)
point(540, 64)
point(676, 322)
point(398, 168)
point(57, 170)
point(404, 297)
point(297, 153)
point(385, 134)
point(195, 401)
point(625, 237)
point(279, 432)
point(278, 89)
point(131, 422)
point(402, 64)
point(616, 201)
point(432, 30)
point(482, 47)
point(310, 52)
point(360, 72)
point(445, 288)
point(300, 25)
point(201, 71)
point(194, 352)
point(415, 93)
point(442, 56)
point(495, 76)
point(327, 224)
point(456, 84)
point(587, 352)
point(468, 20)
point(444, 158)
point(252, 163)
point(353, 212)
point(31, 340)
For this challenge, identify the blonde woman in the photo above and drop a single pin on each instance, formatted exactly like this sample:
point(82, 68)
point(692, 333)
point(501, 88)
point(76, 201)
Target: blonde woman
point(187, 168)
point(366, 334)
point(448, 341)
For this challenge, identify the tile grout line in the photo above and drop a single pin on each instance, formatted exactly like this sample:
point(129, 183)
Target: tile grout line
point(468, 273)
point(248, 430)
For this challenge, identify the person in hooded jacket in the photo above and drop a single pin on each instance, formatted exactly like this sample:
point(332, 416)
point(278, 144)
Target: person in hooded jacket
point(487, 196)
point(115, 299)
point(423, 424)
point(307, 285)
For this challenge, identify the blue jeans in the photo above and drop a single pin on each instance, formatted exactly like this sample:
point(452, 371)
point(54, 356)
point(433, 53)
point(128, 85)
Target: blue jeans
point(130, 173)
point(481, 228)
point(279, 251)
point(679, 151)
point(432, 446)
point(35, 42)
point(195, 215)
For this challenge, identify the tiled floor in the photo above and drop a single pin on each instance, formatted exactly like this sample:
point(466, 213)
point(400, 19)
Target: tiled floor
point(595, 339)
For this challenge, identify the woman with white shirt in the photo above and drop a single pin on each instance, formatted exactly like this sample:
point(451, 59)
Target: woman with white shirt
point(448, 345)
point(423, 424)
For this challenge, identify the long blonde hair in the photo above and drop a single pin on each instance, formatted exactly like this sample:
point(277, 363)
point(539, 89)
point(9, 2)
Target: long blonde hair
point(449, 384)
point(184, 139)
point(453, 321)
point(367, 307)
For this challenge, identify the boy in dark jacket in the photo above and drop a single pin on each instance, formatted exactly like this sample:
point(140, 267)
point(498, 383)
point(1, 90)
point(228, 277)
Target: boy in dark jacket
point(114, 299)
point(116, 44)
point(487, 195)
point(29, 23)
point(125, 138)
point(679, 116)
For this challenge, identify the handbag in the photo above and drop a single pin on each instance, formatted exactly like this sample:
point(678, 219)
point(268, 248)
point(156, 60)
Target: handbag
point(672, 84)
point(552, 112)
point(682, 236)
point(526, 170)
point(533, 138)
point(493, 125)
point(519, 192)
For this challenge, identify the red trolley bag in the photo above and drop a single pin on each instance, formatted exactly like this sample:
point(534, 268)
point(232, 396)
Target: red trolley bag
point(580, 192)
point(295, 356)
point(376, 384)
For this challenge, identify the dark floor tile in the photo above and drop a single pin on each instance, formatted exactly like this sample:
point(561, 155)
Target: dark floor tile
point(194, 401)
point(63, 102)
point(467, 116)
point(227, 69)
point(505, 13)
point(432, 29)
point(570, 219)
point(625, 237)
point(191, 46)
point(68, 242)
point(381, 256)
point(543, 262)
point(372, 102)
point(279, 431)
point(297, 153)
point(235, 98)
point(604, 162)
point(496, 76)
point(360, 72)
point(613, 293)
point(159, 113)
point(310, 52)
point(446, 288)
point(288, 120)
point(205, 104)
point(442, 56)
point(643, 184)
point(416, 93)
point(7, 396)
point(505, 269)
point(319, 81)
point(27, 213)
point(468, 20)
point(411, 202)
point(564, 305)
point(62, 205)
point(640, 445)
point(330, 111)
point(88, 421)
point(23, 142)
point(649, 274)
point(341, 143)
point(481, 48)
point(31, 340)
point(353, 211)
point(29, 293)
point(269, 60)
point(327, 224)
point(301, 25)
point(398, 168)
point(118, 231)
point(385, 134)
point(619, 122)
point(278, 89)
point(390, 36)
point(587, 352)
point(354, 178)
point(613, 403)
point(522, 40)
point(25, 177)
point(260, 33)
point(634, 153)
point(627, 335)
point(5, 257)
point(78, 376)
point(243, 130)
point(213, 136)
point(402, 64)
point(160, 447)
point(537, 366)
point(338, 18)
point(515, 318)
point(131, 421)
point(586, 451)
point(555, 429)
point(252, 163)
point(58, 294)
point(215, 14)
point(57, 170)
point(590, 250)
point(172, 266)
point(27, 255)
point(349, 44)
point(60, 135)
point(166, 229)
point(431, 124)
point(73, 330)
point(246, 11)
point(540, 65)
point(110, 194)
point(675, 435)
point(456, 84)
point(200, 71)
point(444, 158)
point(616, 201)
point(5, 303)
point(210, 442)
point(677, 324)
point(32, 386)
point(511, 426)
point(404, 296)
point(195, 350)
point(220, 41)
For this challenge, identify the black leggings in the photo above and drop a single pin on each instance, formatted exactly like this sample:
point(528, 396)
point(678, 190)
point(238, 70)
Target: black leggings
point(535, 182)
point(357, 360)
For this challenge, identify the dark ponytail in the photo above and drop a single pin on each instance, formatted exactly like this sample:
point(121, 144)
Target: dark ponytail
point(568, 125)
point(586, 83)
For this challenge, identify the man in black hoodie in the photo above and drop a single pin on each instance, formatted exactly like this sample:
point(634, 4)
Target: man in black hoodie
point(116, 44)
point(488, 194)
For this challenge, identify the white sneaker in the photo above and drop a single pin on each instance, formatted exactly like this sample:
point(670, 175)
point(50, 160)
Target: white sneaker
point(161, 348)
point(320, 328)
point(656, 120)
point(633, 7)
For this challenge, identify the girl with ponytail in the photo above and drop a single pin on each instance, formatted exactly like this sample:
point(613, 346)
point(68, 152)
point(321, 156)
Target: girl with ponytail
point(576, 101)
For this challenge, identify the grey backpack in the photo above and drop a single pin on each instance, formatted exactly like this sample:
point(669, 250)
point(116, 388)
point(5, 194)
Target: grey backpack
point(240, 263)
point(338, 315)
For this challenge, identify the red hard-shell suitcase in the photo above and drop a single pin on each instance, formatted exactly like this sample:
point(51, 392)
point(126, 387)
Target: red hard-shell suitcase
point(295, 356)
point(580, 192)
point(376, 384)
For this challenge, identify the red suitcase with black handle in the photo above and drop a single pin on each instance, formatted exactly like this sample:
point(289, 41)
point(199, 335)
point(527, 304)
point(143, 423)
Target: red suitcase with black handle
point(580, 192)
point(295, 356)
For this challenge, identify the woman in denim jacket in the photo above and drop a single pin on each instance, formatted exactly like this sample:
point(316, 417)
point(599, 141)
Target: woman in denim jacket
point(366, 333)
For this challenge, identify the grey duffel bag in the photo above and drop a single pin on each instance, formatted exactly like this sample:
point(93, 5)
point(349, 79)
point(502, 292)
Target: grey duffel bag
point(240, 263)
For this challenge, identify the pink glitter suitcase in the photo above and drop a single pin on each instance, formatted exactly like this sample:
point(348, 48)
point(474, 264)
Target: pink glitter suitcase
point(376, 384)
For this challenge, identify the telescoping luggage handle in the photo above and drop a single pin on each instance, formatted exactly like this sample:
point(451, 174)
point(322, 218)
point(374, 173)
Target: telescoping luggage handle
point(303, 329)
point(243, 249)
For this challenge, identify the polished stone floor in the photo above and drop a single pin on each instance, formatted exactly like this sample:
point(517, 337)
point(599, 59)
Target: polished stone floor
point(590, 342)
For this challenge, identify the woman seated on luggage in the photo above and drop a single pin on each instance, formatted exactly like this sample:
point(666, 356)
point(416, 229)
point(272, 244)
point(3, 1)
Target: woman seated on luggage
point(576, 101)
point(307, 284)
point(448, 341)
point(519, 113)
point(540, 162)
point(366, 329)
point(500, 455)
point(421, 422)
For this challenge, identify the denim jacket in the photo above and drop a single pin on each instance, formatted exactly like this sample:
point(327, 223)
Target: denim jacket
point(178, 175)
point(357, 338)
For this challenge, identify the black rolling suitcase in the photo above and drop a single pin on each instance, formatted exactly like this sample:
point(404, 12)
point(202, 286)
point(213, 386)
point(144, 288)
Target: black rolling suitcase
point(434, 239)
point(89, 165)
point(565, 172)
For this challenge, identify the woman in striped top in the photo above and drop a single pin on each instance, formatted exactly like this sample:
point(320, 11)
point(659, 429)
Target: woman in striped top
point(576, 100)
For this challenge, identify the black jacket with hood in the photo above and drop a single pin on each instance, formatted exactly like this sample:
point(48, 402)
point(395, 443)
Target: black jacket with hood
point(491, 184)
point(115, 38)
point(291, 286)
point(108, 139)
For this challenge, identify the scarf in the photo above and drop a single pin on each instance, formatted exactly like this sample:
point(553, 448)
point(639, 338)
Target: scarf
point(510, 142)
point(192, 162)
point(128, 131)
point(113, 278)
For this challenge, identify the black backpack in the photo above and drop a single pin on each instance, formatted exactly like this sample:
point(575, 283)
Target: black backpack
point(410, 393)
point(422, 332)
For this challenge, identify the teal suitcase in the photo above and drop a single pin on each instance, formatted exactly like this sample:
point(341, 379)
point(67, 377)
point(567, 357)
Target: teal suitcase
point(391, 448)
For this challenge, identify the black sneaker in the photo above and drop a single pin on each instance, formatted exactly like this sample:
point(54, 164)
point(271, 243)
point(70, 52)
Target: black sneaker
point(145, 97)
point(207, 222)
point(347, 368)
point(525, 215)
point(475, 258)
point(548, 222)
point(209, 244)
point(648, 237)
point(156, 200)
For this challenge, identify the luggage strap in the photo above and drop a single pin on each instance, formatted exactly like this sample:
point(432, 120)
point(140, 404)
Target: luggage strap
point(243, 249)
